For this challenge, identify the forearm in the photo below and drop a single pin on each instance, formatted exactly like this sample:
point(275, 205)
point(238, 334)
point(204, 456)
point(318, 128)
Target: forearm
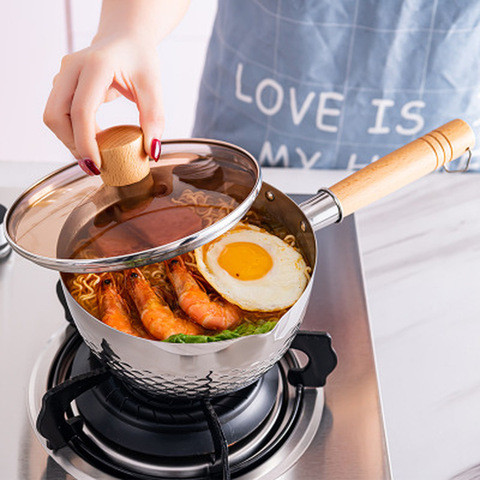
point(151, 20)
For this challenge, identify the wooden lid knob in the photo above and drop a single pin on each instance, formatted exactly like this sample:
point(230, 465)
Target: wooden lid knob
point(124, 160)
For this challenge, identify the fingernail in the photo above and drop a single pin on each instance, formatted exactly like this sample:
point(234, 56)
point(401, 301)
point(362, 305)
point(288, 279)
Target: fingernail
point(81, 164)
point(92, 167)
point(156, 149)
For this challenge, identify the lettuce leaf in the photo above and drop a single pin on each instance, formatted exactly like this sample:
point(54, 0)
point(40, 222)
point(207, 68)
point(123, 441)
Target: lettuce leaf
point(241, 331)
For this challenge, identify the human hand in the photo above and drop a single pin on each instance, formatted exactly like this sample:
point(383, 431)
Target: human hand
point(111, 66)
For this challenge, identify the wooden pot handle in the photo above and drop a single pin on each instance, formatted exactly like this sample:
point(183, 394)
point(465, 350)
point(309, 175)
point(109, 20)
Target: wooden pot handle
point(403, 166)
point(124, 160)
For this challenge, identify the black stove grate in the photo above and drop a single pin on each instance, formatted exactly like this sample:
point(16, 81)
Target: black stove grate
point(61, 425)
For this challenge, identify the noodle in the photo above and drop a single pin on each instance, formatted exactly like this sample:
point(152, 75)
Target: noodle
point(209, 209)
point(83, 288)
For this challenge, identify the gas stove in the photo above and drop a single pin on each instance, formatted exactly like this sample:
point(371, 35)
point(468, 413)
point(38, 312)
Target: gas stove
point(114, 431)
point(292, 431)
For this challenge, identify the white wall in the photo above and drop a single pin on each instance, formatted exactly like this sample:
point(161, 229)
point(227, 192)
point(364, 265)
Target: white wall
point(32, 42)
point(33, 39)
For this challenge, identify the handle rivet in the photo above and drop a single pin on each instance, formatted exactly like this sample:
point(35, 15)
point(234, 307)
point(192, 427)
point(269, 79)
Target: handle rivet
point(270, 196)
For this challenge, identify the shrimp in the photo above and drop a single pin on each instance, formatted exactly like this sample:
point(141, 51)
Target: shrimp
point(155, 314)
point(113, 309)
point(214, 315)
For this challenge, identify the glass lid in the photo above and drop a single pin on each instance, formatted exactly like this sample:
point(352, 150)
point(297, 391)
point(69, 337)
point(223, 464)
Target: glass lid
point(73, 222)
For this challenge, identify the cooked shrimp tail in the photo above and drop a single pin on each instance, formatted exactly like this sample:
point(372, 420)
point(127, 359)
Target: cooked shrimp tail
point(155, 314)
point(214, 315)
point(113, 309)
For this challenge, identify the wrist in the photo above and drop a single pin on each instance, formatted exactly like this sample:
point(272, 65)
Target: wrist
point(131, 36)
point(148, 21)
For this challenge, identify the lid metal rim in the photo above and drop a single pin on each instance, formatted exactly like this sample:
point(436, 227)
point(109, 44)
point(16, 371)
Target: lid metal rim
point(143, 257)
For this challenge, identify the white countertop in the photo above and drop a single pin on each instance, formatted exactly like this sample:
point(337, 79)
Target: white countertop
point(421, 260)
point(422, 272)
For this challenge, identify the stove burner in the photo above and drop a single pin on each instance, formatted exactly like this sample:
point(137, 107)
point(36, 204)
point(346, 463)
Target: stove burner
point(163, 426)
point(90, 418)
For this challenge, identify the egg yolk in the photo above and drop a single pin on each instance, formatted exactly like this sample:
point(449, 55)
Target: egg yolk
point(245, 260)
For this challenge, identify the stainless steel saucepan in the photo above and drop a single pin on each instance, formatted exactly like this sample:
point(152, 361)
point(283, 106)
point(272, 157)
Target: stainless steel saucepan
point(211, 369)
point(193, 370)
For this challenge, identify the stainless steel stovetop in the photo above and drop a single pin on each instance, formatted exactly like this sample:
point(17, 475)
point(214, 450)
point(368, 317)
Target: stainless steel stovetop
point(350, 442)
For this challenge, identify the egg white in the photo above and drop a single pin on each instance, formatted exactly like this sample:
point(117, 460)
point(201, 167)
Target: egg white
point(279, 288)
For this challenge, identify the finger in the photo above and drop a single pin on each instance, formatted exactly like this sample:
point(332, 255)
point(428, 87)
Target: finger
point(111, 95)
point(150, 106)
point(92, 88)
point(57, 109)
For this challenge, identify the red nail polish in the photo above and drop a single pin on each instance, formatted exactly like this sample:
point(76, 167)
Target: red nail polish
point(156, 149)
point(81, 164)
point(92, 167)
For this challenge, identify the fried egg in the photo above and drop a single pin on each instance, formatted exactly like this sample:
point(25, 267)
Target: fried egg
point(253, 269)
